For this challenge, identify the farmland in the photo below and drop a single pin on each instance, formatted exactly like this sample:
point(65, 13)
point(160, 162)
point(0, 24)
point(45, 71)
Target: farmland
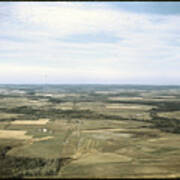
point(89, 131)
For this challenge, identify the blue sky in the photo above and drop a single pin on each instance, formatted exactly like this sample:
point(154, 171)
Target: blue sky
point(90, 42)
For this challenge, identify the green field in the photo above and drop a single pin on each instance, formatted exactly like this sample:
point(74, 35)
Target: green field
point(89, 131)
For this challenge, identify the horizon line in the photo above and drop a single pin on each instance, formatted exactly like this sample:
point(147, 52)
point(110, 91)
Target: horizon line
point(84, 84)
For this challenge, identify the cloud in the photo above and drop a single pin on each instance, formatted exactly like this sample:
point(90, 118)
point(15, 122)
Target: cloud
point(65, 19)
point(43, 37)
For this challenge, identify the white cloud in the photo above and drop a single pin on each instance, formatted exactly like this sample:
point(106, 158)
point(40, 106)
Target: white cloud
point(32, 42)
point(67, 19)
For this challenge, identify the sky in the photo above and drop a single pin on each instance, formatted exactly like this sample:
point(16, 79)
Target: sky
point(90, 43)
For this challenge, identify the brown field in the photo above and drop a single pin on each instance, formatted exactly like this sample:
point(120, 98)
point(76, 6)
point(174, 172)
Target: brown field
point(40, 139)
point(30, 122)
point(19, 134)
point(125, 106)
point(102, 130)
point(125, 98)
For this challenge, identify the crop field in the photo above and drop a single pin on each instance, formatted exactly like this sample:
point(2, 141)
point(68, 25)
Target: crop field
point(29, 122)
point(89, 131)
point(8, 134)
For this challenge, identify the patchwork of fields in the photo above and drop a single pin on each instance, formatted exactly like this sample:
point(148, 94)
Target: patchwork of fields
point(89, 131)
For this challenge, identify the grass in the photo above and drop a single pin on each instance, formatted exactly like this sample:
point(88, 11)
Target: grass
point(50, 148)
point(102, 131)
point(169, 115)
point(165, 150)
